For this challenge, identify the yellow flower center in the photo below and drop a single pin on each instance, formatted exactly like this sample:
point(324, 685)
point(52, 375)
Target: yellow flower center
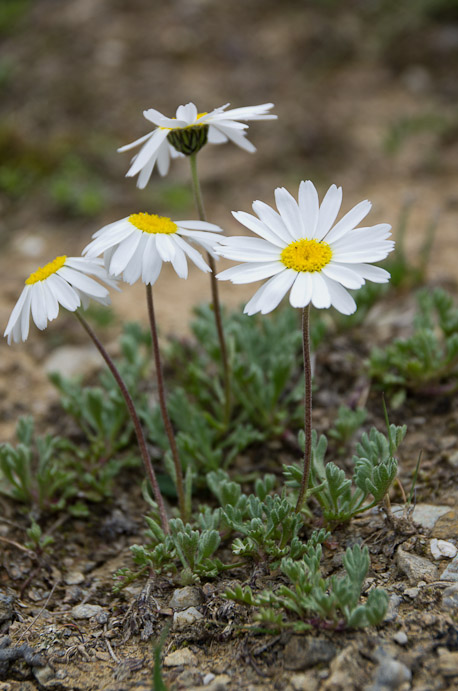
point(150, 223)
point(306, 255)
point(43, 272)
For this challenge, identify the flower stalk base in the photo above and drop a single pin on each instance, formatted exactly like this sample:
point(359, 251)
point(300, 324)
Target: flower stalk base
point(135, 419)
point(307, 406)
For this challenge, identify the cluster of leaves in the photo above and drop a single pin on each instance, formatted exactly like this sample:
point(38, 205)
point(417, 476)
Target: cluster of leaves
point(375, 469)
point(35, 472)
point(427, 361)
point(267, 525)
point(264, 357)
point(314, 601)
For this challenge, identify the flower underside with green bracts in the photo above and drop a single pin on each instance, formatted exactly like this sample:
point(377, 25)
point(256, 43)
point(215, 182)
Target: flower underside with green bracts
point(188, 132)
point(136, 246)
point(66, 281)
point(301, 249)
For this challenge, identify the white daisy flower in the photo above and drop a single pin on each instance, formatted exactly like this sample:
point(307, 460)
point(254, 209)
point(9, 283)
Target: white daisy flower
point(188, 132)
point(137, 245)
point(65, 281)
point(301, 250)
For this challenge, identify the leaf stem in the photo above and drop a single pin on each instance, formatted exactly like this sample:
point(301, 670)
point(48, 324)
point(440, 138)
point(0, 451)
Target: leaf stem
point(135, 419)
point(163, 405)
point(307, 406)
point(215, 294)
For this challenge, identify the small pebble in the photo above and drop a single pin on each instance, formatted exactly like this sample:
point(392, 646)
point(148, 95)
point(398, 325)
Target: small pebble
point(412, 592)
point(182, 598)
point(400, 638)
point(86, 611)
point(180, 657)
point(450, 597)
point(183, 619)
point(208, 678)
point(441, 549)
point(74, 578)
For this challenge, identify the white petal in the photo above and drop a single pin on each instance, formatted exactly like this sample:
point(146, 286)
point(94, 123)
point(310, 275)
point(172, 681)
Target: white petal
point(148, 151)
point(340, 299)
point(215, 136)
point(65, 294)
point(82, 282)
point(371, 254)
point(320, 293)
point(272, 292)
point(17, 312)
point(343, 274)
point(193, 254)
point(52, 306)
point(349, 221)
point(152, 263)
point(199, 225)
point(248, 273)
point(137, 142)
point(206, 239)
point(237, 138)
point(179, 263)
point(247, 249)
point(188, 113)
point(163, 159)
point(330, 207)
point(272, 220)
point(301, 292)
point(124, 253)
point(39, 312)
point(257, 226)
point(372, 273)
point(165, 247)
point(289, 211)
point(309, 208)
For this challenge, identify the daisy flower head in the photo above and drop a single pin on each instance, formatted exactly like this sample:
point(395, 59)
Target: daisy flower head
point(136, 246)
point(302, 250)
point(66, 281)
point(188, 132)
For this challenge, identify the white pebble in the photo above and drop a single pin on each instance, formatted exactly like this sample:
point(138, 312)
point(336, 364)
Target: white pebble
point(441, 549)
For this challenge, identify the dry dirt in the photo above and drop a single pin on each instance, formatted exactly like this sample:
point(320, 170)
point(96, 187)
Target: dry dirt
point(340, 77)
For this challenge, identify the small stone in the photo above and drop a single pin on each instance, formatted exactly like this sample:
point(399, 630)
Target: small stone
point(425, 515)
point(86, 611)
point(400, 638)
point(302, 653)
point(74, 578)
point(451, 572)
point(48, 678)
point(72, 361)
point(450, 597)
point(392, 611)
point(183, 598)
point(441, 549)
point(6, 608)
point(390, 675)
point(304, 682)
point(180, 657)
point(219, 683)
point(448, 663)
point(412, 592)
point(208, 678)
point(185, 618)
point(453, 459)
point(414, 567)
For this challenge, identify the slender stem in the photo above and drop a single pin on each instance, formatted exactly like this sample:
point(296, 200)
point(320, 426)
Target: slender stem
point(214, 292)
point(163, 405)
point(135, 419)
point(307, 406)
